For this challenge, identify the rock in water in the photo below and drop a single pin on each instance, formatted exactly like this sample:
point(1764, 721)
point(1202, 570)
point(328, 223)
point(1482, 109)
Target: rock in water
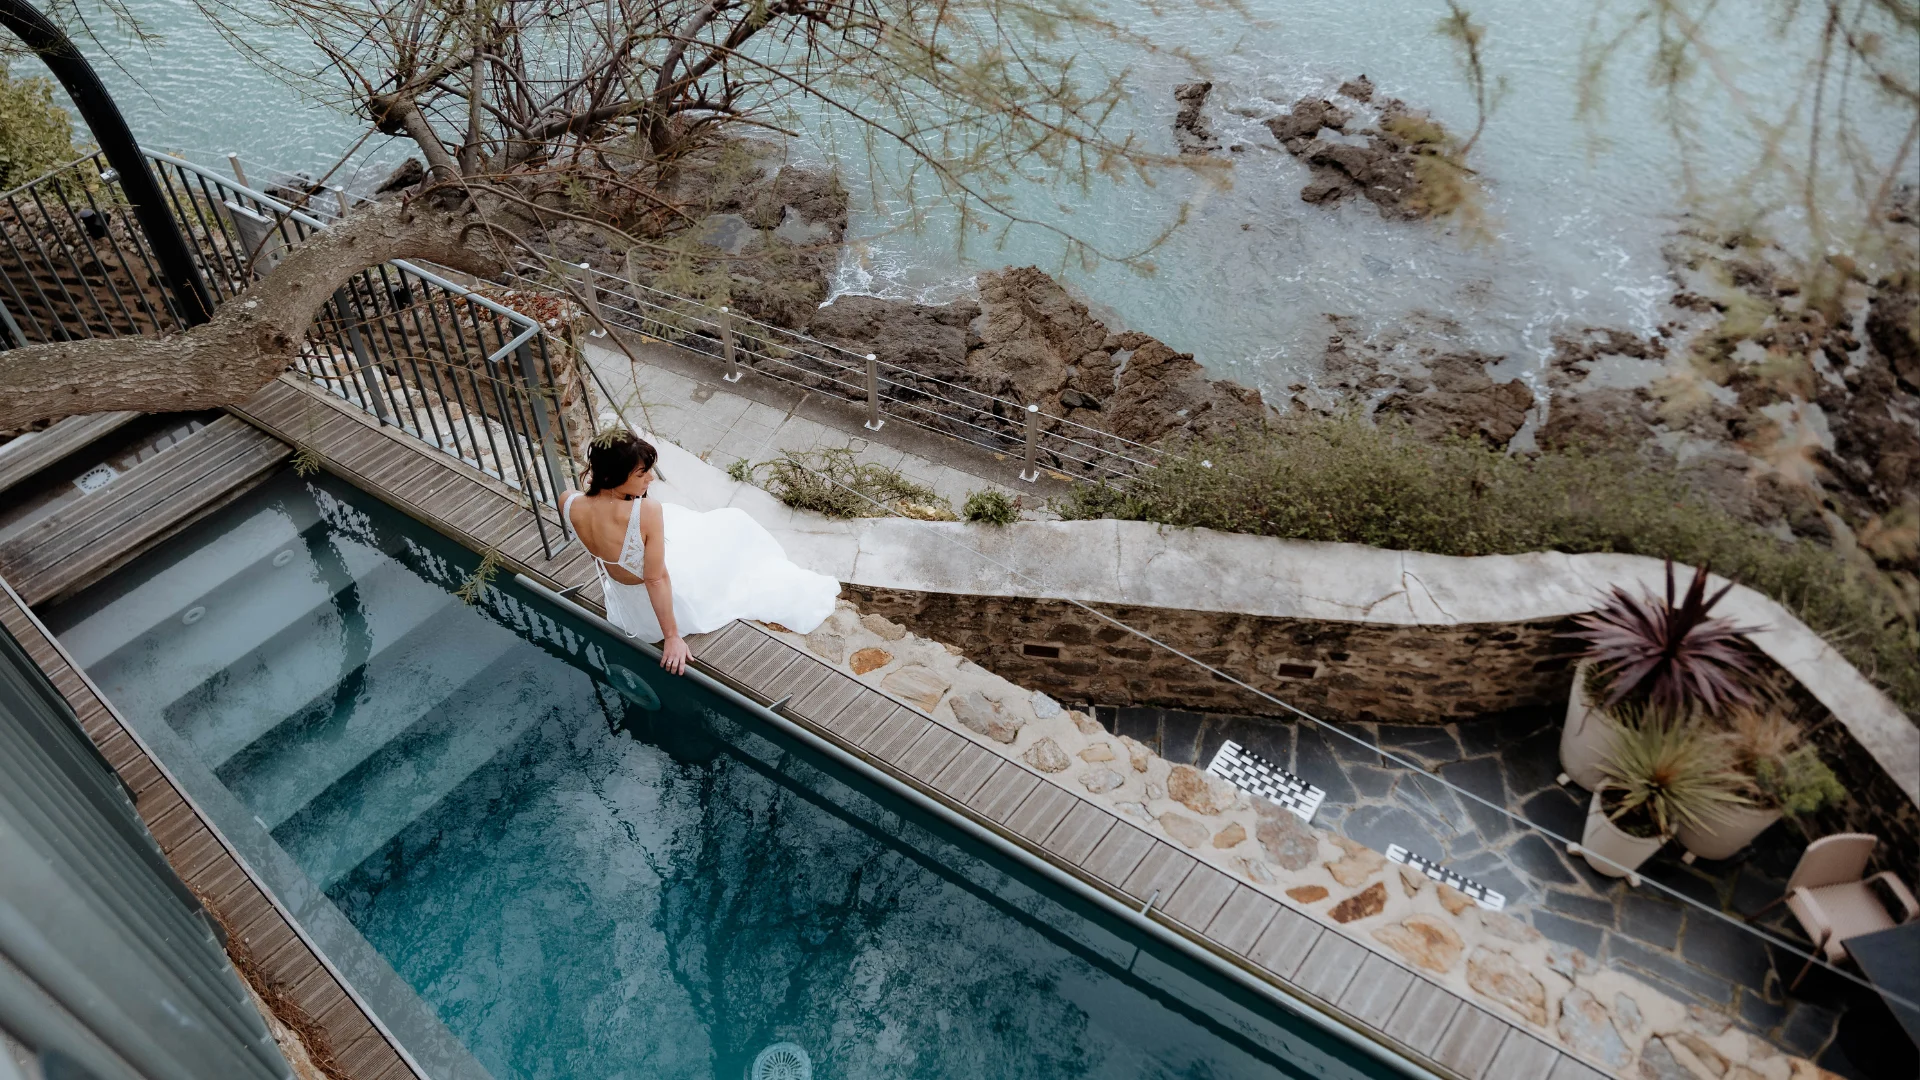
point(1360, 89)
point(1190, 127)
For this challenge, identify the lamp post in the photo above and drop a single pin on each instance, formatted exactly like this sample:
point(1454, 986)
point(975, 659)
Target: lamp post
point(191, 301)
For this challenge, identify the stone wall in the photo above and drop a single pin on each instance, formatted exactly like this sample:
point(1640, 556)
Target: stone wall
point(1345, 670)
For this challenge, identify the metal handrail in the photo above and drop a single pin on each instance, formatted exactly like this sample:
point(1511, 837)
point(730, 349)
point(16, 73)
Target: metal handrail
point(462, 372)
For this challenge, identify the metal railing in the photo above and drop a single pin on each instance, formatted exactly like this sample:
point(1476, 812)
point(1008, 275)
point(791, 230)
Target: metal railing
point(463, 373)
point(890, 392)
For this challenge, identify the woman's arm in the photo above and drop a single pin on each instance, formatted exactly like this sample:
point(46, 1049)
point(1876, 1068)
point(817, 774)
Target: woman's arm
point(653, 534)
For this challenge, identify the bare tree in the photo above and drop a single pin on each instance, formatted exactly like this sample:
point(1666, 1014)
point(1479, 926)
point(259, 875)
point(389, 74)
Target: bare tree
point(530, 113)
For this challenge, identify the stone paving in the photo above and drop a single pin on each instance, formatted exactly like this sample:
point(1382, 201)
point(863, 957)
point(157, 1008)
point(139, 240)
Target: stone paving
point(719, 425)
point(1512, 760)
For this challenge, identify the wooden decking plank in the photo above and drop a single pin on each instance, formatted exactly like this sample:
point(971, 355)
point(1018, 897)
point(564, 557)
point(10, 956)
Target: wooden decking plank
point(895, 734)
point(345, 1024)
point(1330, 966)
point(857, 722)
point(1376, 991)
point(1159, 874)
point(1199, 898)
point(966, 773)
point(1285, 943)
point(826, 699)
point(24, 456)
point(935, 748)
point(1079, 832)
point(1470, 1042)
point(366, 1057)
point(480, 519)
point(1522, 1057)
point(796, 679)
point(444, 499)
point(1242, 918)
point(1041, 812)
point(727, 646)
point(764, 663)
point(1003, 792)
point(1423, 1015)
point(1569, 1069)
point(1118, 854)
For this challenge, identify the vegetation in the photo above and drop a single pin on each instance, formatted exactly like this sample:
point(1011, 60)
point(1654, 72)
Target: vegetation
point(1671, 655)
point(1783, 772)
point(990, 507)
point(1343, 479)
point(1664, 770)
point(834, 483)
point(36, 135)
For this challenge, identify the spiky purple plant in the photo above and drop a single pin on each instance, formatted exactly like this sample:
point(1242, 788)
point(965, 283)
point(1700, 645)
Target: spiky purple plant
point(1670, 655)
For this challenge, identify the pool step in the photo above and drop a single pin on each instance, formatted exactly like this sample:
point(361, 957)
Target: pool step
point(299, 758)
point(365, 809)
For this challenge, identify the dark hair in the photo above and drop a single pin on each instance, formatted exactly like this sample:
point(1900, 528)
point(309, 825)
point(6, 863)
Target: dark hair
point(614, 457)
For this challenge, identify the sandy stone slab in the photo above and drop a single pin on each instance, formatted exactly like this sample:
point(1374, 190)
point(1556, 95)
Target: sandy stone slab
point(1241, 919)
point(1158, 874)
point(1200, 897)
point(1041, 812)
point(1471, 1041)
point(1003, 792)
point(1376, 990)
point(1118, 854)
point(1422, 1016)
point(1076, 836)
point(965, 774)
point(1521, 1057)
point(1285, 943)
point(1330, 966)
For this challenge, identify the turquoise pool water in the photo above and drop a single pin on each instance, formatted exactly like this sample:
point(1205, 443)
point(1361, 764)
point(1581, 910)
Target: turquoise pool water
point(536, 856)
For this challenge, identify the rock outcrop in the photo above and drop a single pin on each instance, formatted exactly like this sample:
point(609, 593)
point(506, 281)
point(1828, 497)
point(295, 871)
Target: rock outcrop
point(1378, 162)
point(1190, 128)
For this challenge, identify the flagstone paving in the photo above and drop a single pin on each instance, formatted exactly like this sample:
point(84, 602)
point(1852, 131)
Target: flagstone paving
point(1697, 956)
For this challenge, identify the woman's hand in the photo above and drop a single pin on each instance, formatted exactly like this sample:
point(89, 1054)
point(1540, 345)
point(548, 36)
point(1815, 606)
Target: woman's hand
point(674, 654)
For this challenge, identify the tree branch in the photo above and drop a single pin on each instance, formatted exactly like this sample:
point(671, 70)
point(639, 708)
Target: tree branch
point(251, 339)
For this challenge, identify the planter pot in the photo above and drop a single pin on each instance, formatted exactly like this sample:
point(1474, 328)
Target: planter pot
point(1586, 736)
point(1726, 832)
point(1612, 851)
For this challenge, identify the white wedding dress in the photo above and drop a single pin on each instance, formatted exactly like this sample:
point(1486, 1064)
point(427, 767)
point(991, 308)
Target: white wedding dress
point(723, 565)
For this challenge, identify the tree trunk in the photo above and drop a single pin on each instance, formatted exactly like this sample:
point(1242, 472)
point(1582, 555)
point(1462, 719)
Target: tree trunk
point(252, 338)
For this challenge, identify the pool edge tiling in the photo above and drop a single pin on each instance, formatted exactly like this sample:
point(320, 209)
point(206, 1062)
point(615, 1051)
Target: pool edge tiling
point(205, 861)
point(1429, 1024)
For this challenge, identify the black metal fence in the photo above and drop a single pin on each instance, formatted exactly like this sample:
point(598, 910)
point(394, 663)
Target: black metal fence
point(463, 373)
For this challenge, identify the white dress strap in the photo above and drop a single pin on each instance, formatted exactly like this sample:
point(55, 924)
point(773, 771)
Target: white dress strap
point(633, 549)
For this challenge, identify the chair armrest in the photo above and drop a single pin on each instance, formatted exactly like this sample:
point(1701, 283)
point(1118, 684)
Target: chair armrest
point(1813, 919)
point(1899, 891)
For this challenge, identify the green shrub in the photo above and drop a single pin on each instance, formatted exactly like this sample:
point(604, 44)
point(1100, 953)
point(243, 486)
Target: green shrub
point(833, 483)
point(1799, 783)
point(991, 507)
point(36, 135)
point(1344, 479)
point(741, 471)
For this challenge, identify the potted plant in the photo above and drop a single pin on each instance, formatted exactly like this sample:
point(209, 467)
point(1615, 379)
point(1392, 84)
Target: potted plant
point(1663, 770)
point(1651, 651)
point(1784, 777)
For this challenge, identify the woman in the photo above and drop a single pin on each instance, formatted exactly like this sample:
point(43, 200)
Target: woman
point(667, 570)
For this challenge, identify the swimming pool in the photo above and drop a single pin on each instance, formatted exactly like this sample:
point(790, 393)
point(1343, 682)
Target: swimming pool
point(533, 854)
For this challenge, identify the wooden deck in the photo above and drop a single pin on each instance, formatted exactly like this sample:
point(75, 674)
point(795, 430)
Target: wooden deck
point(205, 861)
point(87, 539)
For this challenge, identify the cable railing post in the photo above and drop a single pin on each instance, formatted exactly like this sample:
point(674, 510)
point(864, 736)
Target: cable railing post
point(340, 194)
point(240, 174)
point(874, 422)
point(590, 297)
point(1032, 470)
point(734, 374)
point(543, 425)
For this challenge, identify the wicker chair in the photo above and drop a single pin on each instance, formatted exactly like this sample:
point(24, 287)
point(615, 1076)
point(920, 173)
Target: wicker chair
point(1833, 902)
